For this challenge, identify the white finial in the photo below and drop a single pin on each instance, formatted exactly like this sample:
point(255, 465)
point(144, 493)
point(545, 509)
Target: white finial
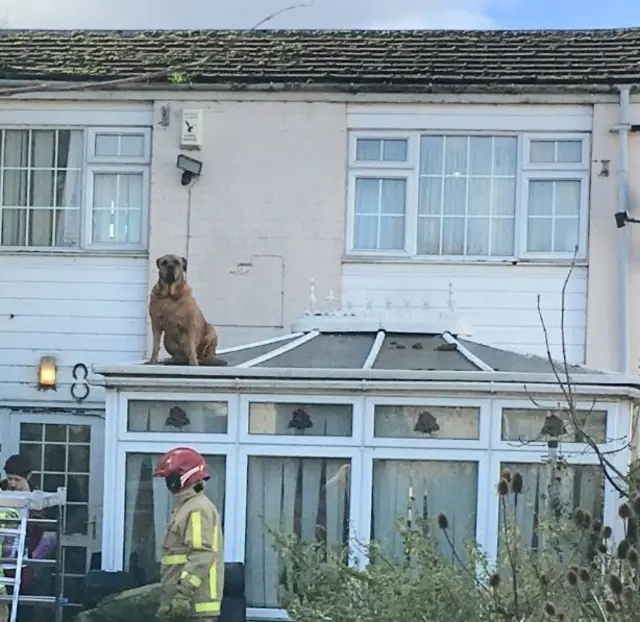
point(407, 307)
point(425, 306)
point(350, 308)
point(450, 302)
point(312, 297)
point(387, 306)
point(369, 307)
point(331, 301)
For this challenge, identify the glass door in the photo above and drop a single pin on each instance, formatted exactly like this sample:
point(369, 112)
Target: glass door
point(66, 450)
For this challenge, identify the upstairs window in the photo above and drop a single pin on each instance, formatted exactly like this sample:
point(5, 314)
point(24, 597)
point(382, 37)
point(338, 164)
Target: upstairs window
point(469, 196)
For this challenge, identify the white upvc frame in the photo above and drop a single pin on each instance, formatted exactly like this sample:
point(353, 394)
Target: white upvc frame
point(357, 421)
point(583, 165)
point(354, 454)
point(428, 444)
point(410, 170)
point(233, 418)
point(118, 132)
point(583, 214)
point(112, 169)
point(232, 481)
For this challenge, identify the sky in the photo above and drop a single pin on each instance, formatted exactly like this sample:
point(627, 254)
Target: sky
point(385, 14)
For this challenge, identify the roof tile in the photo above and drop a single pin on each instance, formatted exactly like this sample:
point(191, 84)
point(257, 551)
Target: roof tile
point(332, 59)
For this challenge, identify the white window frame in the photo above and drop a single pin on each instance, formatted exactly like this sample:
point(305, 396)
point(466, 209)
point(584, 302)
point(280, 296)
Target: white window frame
point(93, 132)
point(354, 454)
point(525, 170)
point(144, 218)
point(357, 422)
point(233, 410)
point(232, 481)
point(424, 444)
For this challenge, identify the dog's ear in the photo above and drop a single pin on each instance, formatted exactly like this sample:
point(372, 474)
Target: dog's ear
point(158, 262)
point(184, 263)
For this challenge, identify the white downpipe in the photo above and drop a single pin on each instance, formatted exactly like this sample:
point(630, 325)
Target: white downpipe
point(623, 247)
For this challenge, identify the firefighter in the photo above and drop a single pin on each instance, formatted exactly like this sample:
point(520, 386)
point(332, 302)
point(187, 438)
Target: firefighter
point(192, 562)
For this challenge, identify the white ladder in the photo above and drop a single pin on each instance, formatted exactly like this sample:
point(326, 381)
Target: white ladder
point(20, 503)
point(19, 532)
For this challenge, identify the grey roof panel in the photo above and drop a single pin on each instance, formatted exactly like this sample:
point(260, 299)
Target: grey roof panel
point(327, 351)
point(241, 356)
point(505, 360)
point(420, 352)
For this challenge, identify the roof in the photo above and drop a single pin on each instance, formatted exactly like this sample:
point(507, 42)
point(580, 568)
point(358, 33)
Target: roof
point(353, 60)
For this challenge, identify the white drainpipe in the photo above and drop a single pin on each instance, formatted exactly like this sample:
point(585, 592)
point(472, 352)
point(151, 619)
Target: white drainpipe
point(623, 242)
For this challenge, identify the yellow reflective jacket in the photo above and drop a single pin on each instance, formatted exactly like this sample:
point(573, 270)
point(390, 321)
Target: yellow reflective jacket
point(8, 518)
point(192, 561)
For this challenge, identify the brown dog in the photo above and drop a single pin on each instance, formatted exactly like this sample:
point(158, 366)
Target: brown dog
point(188, 337)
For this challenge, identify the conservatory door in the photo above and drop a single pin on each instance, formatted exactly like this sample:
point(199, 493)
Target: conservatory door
point(66, 450)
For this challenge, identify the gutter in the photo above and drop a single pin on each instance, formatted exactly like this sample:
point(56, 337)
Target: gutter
point(623, 243)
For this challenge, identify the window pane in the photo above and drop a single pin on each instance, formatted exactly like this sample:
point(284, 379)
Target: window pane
point(175, 417)
point(308, 497)
point(365, 233)
point(14, 227)
point(67, 227)
point(367, 195)
point(479, 196)
point(15, 188)
point(300, 419)
point(456, 155)
point(70, 148)
point(68, 189)
point(502, 236)
point(540, 198)
point(567, 199)
point(428, 235)
point(117, 208)
point(570, 151)
point(531, 424)
point(504, 196)
point(393, 196)
point(543, 151)
point(432, 155)
point(106, 145)
point(392, 233)
point(480, 154)
point(428, 488)
point(572, 486)
point(394, 150)
point(132, 145)
point(41, 193)
point(505, 156)
point(539, 235)
point(455, 195)
point(16, 148)
point(41, 227)
point(148, 507)
point(43, 148)
point(478, 236)
point(430, 195)
point(368, 149)
point(565, 235)
point(450, 422)
point(453, 236)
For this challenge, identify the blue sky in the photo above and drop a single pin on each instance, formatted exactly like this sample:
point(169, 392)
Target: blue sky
point(321, 14)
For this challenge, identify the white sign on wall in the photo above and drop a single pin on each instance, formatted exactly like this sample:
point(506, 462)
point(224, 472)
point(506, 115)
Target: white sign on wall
point(192, 126)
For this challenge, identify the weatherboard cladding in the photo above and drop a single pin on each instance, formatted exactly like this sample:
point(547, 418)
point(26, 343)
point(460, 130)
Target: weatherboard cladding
point(338, 59)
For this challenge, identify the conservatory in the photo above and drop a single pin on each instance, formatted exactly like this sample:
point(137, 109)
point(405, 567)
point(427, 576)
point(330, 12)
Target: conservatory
point(344, 425)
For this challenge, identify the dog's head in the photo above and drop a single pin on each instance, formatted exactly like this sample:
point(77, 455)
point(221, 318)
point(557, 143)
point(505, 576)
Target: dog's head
point(171, 268)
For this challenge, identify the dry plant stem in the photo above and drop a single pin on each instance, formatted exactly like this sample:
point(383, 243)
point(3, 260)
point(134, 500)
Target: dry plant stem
point(143, 77)
point(464, 566)
point(511, 558)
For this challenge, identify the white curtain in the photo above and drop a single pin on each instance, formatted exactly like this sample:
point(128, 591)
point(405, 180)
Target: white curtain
point(164, 416)
point(148, 506)
point(414, 489)
point(467, 195)
point(308, 497)
point(276, 418)
point(553, 215)
point(117, 207)
point(577, 486)
point(380, 205)
point(32, 178)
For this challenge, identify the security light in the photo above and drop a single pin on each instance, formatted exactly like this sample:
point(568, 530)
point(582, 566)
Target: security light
point(622, 218)
point(190, 168)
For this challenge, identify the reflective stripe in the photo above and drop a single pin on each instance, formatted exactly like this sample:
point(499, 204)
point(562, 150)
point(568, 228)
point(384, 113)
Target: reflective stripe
point(196, 529)
point(208, 607)
point(213, 582)
point(173, 560)
point(216, 538)
point(191, 578)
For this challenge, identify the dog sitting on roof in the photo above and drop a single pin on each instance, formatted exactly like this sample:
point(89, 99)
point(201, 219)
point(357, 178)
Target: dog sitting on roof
point(188, 337)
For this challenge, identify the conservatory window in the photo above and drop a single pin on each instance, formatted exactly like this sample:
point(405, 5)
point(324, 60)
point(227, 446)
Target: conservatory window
point(446, 422)
point(420, 490)
point(289, 418)
point(169, 416)
point(148, 507)
point(308, 497)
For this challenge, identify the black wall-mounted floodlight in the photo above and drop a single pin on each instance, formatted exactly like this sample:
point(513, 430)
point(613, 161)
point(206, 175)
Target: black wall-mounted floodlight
point(622, 218)
point(190, 168)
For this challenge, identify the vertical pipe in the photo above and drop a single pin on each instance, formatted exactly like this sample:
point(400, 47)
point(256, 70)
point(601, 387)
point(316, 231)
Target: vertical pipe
point(623, 247)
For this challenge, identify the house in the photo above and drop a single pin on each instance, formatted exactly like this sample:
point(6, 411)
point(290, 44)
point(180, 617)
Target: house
point(433, 179)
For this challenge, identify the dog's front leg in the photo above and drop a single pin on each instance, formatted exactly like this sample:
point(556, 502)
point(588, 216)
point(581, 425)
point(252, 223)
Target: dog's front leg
point(192, 351)
point(156, 332)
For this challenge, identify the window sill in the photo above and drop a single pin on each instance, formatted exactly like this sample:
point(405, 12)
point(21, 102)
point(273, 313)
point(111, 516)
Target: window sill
point(72, 252)
point(446, 261)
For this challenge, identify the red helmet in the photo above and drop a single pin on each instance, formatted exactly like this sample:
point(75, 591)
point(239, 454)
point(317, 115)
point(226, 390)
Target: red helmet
point(182, 468)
